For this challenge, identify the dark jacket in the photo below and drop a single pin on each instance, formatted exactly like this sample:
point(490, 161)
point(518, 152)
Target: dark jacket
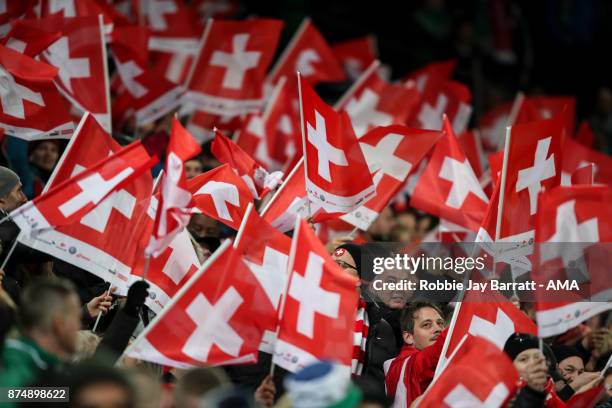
point(380, 346)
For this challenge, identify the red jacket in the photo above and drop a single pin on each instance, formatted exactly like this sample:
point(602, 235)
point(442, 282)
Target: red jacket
point(415, 368)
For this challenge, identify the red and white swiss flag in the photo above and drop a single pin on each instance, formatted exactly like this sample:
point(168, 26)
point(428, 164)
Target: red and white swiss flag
point(442, 69)
point(174, 27)
point(337, 175)
point(448, 188)
point(69, 201)
point(265, 251)
point(228, 74)
point(471, 143)
point(318, 315)
point(485, 314)
point(30, 106)
point(481, 375)
point(372, 102)
point(574, 227)
point(218, 317)
point(310, 54)
point(81, 8)
point(168, 271)
point(80, 55)
point(535, 108)
point(259, 181)
point(104, 240)
point(289, 202)
point(576, 156)
point(443, 96)
point(220, 193)
point(533, 164)
point(355, 55)
point(175, 200)
point(151, 96)
point(29, 40)
point(14, 10)
point(392, 153)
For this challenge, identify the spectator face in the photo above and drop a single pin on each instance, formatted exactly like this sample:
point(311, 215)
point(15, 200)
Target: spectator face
point(102, 395)
point(202, 226)
point(14, 199)
point(384, 224)
point(394, 299)
point(193, 168)
point(428, 324)
point(570, 368)
point(524, 358)
point(67, 325)
point(45, 155)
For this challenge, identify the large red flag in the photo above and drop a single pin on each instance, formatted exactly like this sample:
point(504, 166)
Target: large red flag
point(210, 321)
point(318, 315)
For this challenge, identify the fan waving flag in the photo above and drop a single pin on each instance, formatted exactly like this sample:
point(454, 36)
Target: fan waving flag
point(374, 102)
point(175, 202)
point(220, 193)
point(80, 55)
point(392, 152)
point(481, 375)
point(103, 241)
point(318, 315)
point(227, 77)
point(337, 175)
point(71, 200)
point(574, 231)
point(31, 107)
point(218, 317)
point(311, 55)
point(448, 188)
point(260, 182)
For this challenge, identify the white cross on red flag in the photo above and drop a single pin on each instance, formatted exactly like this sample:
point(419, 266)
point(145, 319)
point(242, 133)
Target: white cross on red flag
point(220, 193)
point(337, 175)
point(355, 55)
point(69, 201)
point(259, 181)
point(265, 251)
point(576, 156)
point(80, 55)
point(149, 95)
point(29, 40)
point(228, 74)
point(175, 201)
point(480, 376)
point(533, 164)
point(374, 102)
point(448, 188)
point(574, 225)
point(485, 314)
point(210, 321)
point(310, 54)
point(30, 106)
point(104, 240)
point(318, 315)
point(392, 152)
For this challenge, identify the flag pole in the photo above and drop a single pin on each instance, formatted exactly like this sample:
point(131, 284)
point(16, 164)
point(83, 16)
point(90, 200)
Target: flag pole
point(100, 312)
point(242, 225)
point(299, 76)
point(290, 264)
point(178, 295)
point(147, 256)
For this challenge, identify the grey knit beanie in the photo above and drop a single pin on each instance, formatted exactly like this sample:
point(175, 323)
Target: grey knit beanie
point(8, 180)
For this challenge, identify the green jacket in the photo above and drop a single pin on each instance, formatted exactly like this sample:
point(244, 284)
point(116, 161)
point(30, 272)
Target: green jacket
point(22, 360)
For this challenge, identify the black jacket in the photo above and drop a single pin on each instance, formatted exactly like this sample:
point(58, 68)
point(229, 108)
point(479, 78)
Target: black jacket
point(380, 345)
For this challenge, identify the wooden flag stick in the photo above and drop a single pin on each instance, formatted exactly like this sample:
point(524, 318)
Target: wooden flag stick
point(100, 312)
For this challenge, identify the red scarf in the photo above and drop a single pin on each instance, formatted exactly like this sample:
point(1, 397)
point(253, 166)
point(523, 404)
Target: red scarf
point(360, 337)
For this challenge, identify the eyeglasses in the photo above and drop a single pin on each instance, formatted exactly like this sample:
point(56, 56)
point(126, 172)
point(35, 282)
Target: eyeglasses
point(344, 265)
